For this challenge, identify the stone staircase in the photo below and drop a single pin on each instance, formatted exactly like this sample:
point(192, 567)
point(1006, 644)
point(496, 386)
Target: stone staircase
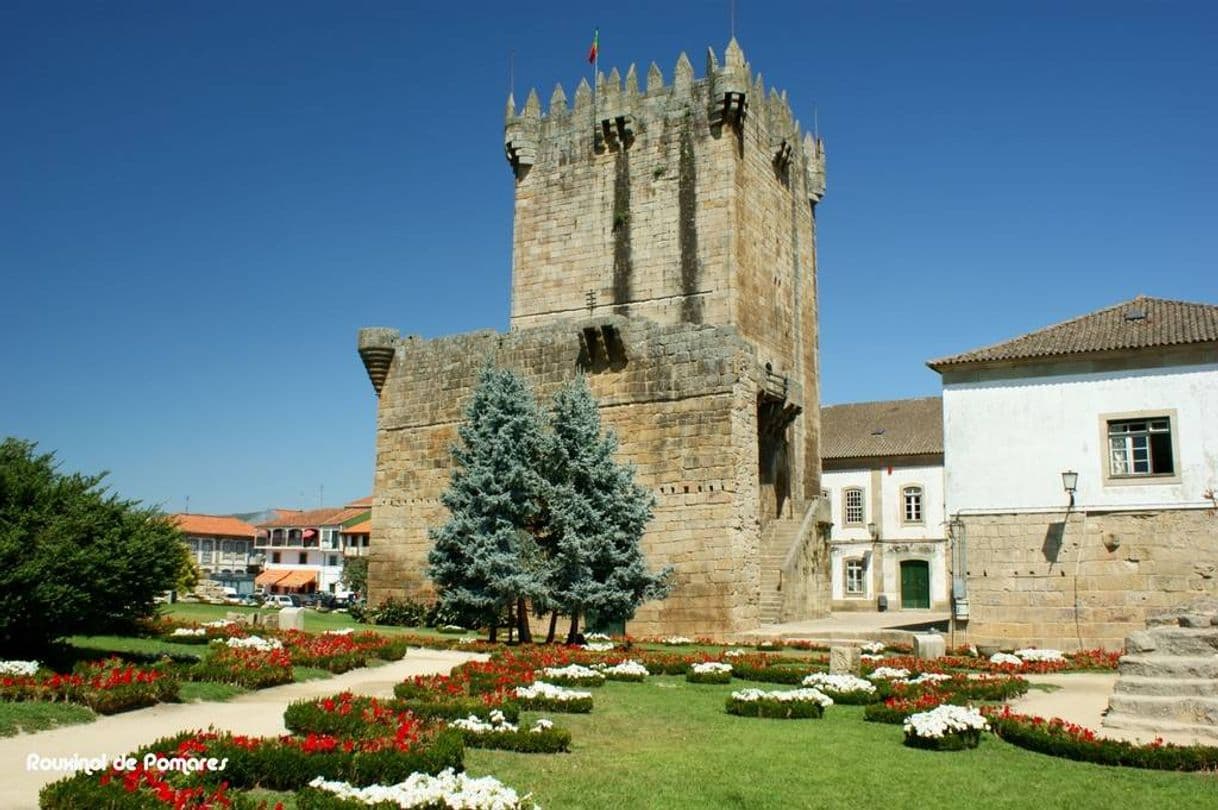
point(776, 542)
point(1168, 680)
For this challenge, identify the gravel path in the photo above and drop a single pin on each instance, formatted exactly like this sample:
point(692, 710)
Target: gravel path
point(256, 713)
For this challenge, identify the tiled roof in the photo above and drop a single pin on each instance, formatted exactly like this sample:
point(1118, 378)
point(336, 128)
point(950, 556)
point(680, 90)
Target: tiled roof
point(897, 427)
point(1141, 323)
point(362, 502)
point(359, 528)
point(330, 516)
point(217, 525)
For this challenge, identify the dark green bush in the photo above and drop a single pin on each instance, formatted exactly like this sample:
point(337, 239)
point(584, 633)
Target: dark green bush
point(955, 741)
point(522, 741)
point(579, 706)
point(771, 674)
point(775, 709)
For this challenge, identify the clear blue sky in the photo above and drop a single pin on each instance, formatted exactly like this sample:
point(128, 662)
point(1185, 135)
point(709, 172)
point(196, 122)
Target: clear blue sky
point(201, 202)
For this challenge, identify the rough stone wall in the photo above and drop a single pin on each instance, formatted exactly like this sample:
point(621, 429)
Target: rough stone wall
point(684, 408)
point(1025, 574)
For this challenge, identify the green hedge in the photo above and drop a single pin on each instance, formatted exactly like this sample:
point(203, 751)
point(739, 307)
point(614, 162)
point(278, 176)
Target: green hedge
point(523, 741)
point(708, 677)
point(1060, 739)
point(771, 674)
point(955, 741)
point(579, 706)
point(776, 709)
point(582, 683)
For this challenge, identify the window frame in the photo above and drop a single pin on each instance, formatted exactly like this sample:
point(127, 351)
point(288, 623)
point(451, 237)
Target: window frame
point(847, 564)
point(904, 506)
point(846, 493)
point(1111, 479)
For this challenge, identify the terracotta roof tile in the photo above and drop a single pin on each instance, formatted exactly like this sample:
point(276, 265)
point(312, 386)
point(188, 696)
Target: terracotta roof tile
point(359, 528)
point(1141, 323)
point(330, 516)
point(218, 525)
point(362, 502)
point(893, 428)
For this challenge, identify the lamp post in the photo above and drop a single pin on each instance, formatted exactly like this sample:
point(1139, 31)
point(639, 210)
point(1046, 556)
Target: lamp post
point(1070, 484)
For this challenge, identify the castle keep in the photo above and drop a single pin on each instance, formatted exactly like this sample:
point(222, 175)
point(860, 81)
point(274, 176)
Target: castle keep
point(664, 245)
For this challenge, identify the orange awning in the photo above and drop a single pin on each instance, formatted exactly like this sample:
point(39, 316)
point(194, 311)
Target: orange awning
point(297, 579)
point(268, 578)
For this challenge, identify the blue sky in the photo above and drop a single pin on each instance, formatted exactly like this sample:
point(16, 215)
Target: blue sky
point(201, 202)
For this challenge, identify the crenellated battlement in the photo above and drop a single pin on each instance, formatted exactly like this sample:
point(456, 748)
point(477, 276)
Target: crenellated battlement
point(612, 117)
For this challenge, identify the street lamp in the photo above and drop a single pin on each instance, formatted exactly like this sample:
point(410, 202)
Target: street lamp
point(1070, 484)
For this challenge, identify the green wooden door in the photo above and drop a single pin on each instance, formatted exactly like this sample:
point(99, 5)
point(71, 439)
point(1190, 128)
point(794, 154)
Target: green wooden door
point(915, 584)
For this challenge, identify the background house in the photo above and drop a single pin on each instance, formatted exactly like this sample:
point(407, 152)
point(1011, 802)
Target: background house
point(222, 548)
point(305, 550)
point(883, 477)
point(1124, 399)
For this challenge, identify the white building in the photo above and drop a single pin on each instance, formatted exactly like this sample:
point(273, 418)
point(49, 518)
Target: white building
point(883, 477)
point(305, 551)
point(1124, 401)
point(222, 548)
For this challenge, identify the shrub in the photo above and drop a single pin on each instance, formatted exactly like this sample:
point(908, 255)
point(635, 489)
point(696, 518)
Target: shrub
point(499, 734)
point(544, 697)
point(1059, 738)
point(709, 672)
point(252, 669)
point(400, 612)
point(140, 790)
point(572, 675)
point(766, 673)
point(945, 728)
point(449, 789)
point(785, 705)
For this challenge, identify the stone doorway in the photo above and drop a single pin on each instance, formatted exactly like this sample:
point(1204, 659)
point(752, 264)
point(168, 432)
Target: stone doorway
point(915, 585)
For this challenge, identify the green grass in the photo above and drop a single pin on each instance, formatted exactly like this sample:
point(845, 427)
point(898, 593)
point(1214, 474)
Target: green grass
point(666, 743)
point(16, 718)
point(315, 622)
point(310, 674)
point(103, 645)
point(190, 691)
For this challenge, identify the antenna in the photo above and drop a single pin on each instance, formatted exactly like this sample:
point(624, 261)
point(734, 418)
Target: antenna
point(732, 12)
point(188, 504)
point(512, 72)
point(321, 495)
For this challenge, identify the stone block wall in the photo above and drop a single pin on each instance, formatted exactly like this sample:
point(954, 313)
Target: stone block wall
point(1087, 580)
point(684, 406)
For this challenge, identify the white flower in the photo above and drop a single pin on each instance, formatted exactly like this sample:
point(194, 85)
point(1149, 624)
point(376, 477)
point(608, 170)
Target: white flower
point(218, 623)
point(1004, 658)
point(571, 672)
point(600, 646)
point(341, 631)
point(675, 640)
point(631, 668)
point(784, 696)
point(453, 628)
point(889, 672)
point(255, 643)
point(541, 725)
point(1032, 654)
point(874, 647)
point(18, 667)
point(945, 719)
point(839, 683)
point(735, 653)
point(707, 667)
point(597, 637)
point(446, 789)
point(541, 689)
point(188, 631)
point(870, 657)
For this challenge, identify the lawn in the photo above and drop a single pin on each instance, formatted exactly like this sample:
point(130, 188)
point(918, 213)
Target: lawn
point(315, 622)
point(665, 743)
point(30, 716)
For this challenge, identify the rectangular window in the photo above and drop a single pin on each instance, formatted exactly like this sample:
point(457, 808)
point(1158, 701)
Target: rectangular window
point(304, 558)
point(333, 560)
point(275, 555)
point(911, 498)
point(854, 577)
point(1140, 447)
point(853, 499)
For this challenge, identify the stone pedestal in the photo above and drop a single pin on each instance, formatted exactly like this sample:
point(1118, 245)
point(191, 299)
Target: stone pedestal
point(929, 645)
point(844, 660)
point(291, 619)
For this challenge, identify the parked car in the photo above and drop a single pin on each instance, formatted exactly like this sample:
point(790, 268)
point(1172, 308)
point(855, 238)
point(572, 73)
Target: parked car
point(282, 600)
point(249, 600)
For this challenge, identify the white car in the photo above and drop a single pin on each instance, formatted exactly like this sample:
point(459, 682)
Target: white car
point(281, 600)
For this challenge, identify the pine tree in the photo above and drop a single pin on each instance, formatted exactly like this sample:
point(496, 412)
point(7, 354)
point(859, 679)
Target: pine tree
point(485, 560)
point(597, 514)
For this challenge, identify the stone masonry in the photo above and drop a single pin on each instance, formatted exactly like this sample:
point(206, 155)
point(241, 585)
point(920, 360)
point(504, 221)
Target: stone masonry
point(1089, 579)
point(664, 245)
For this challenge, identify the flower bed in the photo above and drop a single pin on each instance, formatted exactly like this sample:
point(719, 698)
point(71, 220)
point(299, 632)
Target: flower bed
point(945, 728)
point(845, 689)
point(676, 641)
point(1058, 738)
point(137, 789)
point(498, 733)
point(446, 789)
point(572, 675)
point(773, 645)
point(358, 715)
point(188, 635)
point(250, 668)
point(109, 686)
point(765, 670)
point(789, 704)
point(546, 697)
point(709, 672)
point(889, 673)
point(625, 671)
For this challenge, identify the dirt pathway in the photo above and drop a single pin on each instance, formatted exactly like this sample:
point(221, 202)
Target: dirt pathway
point(256, 713)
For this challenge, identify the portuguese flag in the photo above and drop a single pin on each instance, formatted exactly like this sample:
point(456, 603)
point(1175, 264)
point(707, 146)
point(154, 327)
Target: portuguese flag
point(596, 44)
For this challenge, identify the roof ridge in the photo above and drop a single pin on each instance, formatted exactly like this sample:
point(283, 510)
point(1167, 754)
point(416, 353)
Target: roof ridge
point(881, 401)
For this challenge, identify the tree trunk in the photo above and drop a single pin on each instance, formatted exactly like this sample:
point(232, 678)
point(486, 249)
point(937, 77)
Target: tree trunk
point(494, 634)
point(525, 632)
point(573, 633)
point(511, 622)
point(553, 627)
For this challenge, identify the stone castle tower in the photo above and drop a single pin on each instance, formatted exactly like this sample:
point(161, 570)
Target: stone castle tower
point(664, 245)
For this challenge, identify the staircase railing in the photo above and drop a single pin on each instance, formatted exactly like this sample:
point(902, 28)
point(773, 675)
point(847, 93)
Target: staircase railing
point(790, 562)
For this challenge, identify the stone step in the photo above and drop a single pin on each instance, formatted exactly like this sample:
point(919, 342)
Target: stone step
point(1186, 667)
point(1174, 641)
point(1120, 720)
point(1195, 710)
point(1167, 687)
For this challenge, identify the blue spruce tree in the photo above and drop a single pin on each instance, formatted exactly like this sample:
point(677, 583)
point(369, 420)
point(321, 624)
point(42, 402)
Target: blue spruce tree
point(596, 517)
point(485, 561)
